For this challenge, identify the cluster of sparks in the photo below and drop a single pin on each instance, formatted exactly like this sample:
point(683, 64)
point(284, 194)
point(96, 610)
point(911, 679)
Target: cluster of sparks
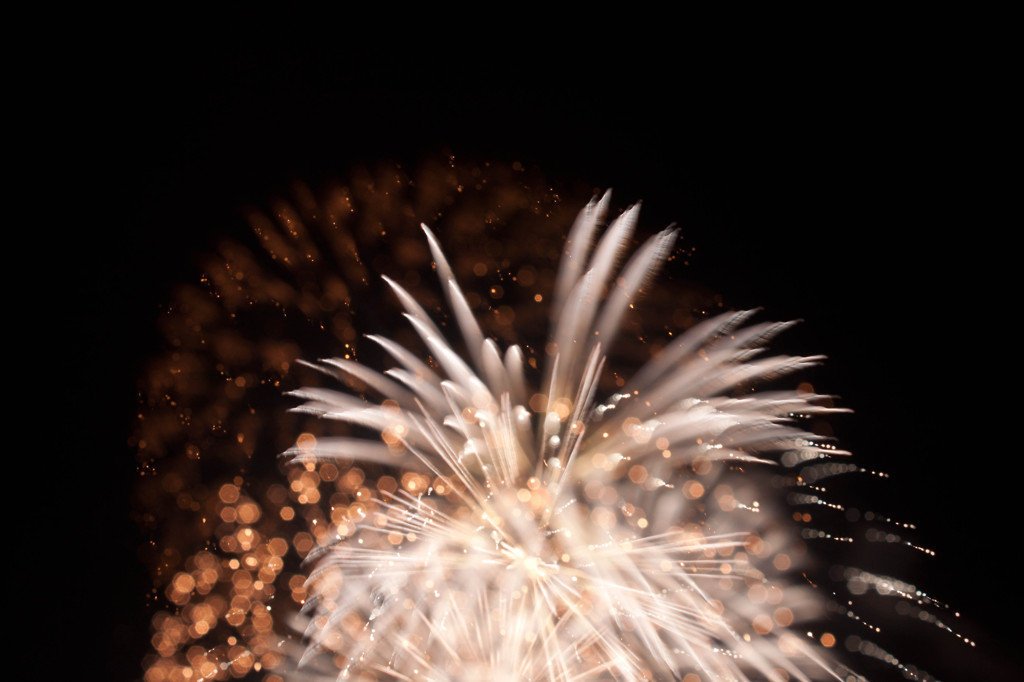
point(478, 512)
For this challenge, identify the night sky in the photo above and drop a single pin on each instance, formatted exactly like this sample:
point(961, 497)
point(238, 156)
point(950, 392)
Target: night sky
point(841, 185)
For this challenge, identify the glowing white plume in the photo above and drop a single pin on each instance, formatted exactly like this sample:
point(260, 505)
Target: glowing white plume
point(540, 535)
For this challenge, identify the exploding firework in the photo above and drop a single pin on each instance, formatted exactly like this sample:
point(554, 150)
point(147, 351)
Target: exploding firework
point(538, 533)
point(495, 505)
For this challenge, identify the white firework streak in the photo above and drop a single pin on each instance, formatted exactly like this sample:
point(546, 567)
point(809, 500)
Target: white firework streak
point(525, 551)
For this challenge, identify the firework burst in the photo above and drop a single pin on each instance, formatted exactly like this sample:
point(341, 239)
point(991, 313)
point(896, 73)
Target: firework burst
point(527, 530)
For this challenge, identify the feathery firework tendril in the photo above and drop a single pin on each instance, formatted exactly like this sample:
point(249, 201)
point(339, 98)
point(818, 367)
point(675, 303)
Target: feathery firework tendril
point(538, 534)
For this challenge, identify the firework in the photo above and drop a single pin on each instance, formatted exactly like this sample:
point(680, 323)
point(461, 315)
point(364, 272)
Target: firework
point(525, 530)
point(497, 504)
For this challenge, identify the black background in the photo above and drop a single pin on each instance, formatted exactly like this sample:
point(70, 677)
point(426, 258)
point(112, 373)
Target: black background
point(849, 180)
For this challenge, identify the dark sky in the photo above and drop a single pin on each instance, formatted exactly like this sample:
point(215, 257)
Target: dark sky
point(846, 184)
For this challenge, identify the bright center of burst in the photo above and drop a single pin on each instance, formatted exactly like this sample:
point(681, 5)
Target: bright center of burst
point(530, 565)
